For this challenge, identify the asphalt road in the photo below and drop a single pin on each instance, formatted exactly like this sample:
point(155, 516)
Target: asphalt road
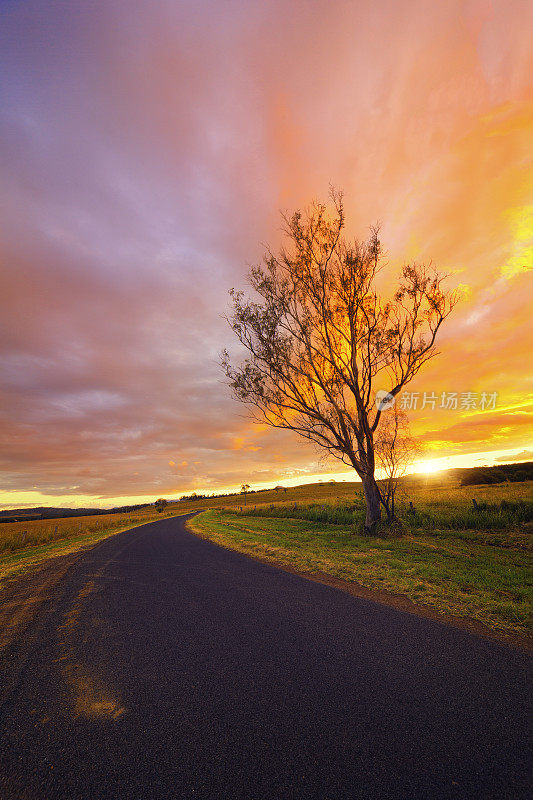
point(167, 667)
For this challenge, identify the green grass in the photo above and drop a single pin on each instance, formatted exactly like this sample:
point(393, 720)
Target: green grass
point(471, 573)
point(489, 516)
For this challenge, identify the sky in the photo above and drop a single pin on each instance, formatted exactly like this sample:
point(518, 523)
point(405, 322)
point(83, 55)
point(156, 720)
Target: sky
point(146, 150)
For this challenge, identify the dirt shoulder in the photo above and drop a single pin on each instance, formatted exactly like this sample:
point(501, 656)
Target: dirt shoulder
point(22, 596)
point(29, 582)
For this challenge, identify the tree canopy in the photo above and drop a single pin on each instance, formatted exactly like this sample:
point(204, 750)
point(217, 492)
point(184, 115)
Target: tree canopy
point(322, 341)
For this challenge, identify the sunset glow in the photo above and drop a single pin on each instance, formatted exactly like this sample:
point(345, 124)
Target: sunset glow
point(427, 467)
point(146, 150)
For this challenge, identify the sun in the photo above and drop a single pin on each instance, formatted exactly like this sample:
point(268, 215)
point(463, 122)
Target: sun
point(428, 467)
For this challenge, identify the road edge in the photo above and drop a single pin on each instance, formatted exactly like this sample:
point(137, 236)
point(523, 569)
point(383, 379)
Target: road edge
point(23, 594)
point(391, 599)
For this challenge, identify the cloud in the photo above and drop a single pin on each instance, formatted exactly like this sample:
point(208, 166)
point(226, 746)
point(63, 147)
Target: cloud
point(144, 153)
point(525, 455)
point(480, 432)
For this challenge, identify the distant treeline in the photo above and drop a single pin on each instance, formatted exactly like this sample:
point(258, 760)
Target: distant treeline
point(515, 473)
point(187, 498)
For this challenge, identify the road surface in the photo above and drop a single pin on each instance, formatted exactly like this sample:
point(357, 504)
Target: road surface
point(165, 667)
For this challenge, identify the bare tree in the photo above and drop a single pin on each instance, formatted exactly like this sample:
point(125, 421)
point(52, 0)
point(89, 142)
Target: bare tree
point(244, 490)
point(395, 451)
point(321, 340)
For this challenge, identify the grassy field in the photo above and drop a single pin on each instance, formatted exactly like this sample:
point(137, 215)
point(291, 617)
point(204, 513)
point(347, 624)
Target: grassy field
point(459, 561)
point(26, 544)
point(432, 491)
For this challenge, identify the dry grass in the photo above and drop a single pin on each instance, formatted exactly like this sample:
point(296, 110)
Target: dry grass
point(16, 536)
point(427, 493)
point(24, 545)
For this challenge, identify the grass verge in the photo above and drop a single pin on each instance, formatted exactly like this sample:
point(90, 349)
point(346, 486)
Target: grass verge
point(469, 577)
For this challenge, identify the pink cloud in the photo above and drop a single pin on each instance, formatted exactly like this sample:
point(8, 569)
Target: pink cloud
point(145, 151)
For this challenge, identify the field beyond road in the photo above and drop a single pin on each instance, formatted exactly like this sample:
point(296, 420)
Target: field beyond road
point(481, 573)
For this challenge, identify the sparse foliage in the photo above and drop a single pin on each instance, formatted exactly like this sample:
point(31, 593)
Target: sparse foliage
point(244, 490)
point(395, 451)
point(321, 340)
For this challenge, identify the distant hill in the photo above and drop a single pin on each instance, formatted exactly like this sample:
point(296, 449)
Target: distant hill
point(515, 473)
point(464, 476)
point(44, 512)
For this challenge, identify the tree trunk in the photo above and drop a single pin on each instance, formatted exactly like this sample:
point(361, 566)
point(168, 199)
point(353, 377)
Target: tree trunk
point(373, 504)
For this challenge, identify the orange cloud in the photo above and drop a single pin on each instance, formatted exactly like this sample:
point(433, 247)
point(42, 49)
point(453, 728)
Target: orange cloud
point(126, 223)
